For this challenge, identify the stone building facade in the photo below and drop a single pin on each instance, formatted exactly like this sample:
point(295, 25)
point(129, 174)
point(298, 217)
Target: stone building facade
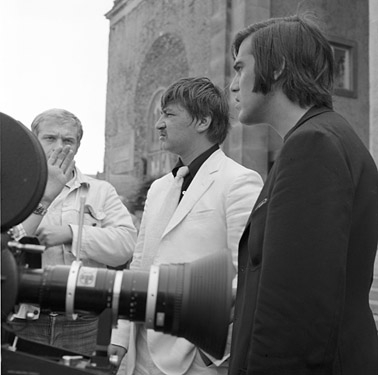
point(154, 42)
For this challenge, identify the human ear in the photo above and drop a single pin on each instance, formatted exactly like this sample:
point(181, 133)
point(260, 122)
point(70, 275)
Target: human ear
point(203, 124)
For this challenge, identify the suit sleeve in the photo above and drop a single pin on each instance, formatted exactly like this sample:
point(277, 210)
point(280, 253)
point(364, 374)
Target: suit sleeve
point(139, 248)
point(240, 200)
point(121, 334)
point(302, 282)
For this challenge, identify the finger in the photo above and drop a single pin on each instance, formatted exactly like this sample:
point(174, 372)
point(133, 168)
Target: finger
point(53, 157)
point(41, 240)
point(63, 155)
point(68, 163)
point(69, 170)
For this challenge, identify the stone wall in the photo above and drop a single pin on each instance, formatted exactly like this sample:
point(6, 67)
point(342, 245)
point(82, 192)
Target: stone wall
point(152, 43)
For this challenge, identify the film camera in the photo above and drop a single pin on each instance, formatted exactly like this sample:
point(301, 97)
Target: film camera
point(189, 300)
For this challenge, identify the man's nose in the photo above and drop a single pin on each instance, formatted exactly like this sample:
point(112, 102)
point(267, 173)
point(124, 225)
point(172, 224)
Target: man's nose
point(59, 142)
point(234, 87)
point(160, 124)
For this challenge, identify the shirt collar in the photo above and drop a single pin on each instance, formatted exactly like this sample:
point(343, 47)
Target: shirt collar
point(196, 164)
point(78, 179)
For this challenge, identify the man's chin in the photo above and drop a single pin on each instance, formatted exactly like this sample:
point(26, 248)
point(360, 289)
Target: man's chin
point(246, 121)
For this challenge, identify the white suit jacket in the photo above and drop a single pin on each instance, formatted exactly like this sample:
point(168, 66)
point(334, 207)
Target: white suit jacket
point(210, 217)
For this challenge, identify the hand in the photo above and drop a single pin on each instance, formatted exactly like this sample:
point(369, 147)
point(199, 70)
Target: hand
point(53, 235)
point(119, 351)
point(60, 165)
point(232, 312)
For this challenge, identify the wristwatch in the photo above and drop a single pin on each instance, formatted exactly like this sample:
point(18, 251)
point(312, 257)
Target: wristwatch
point(40, 210)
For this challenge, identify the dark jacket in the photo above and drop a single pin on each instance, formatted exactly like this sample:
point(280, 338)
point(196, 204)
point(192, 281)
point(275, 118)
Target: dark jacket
point(306, 258)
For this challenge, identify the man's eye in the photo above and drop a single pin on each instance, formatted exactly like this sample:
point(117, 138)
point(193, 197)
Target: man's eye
point(237, 68)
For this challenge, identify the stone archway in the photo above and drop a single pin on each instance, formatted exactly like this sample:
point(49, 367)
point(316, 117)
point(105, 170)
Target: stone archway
point(165, 62)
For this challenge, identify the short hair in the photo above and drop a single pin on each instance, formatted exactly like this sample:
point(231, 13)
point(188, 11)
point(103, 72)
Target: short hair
point(296, 46)
point(62, 116)
point(201, 98)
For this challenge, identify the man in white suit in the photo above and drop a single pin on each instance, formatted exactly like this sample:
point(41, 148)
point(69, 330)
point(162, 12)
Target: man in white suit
point(217, 196)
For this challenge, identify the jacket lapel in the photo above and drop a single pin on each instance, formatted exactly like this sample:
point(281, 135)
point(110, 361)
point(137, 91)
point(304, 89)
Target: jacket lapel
point(200, 184)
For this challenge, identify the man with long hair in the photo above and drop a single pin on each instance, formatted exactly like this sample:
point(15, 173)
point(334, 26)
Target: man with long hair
point(306, 258)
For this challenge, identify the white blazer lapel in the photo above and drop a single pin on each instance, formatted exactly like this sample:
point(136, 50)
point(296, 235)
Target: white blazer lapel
point(187, 202)
point(200, 184)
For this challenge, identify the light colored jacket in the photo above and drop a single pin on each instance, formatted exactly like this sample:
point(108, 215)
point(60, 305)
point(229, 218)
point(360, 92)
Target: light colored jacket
point(108, 236)
point(210, 217)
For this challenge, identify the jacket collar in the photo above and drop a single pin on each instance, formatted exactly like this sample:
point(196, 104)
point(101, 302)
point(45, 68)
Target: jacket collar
point(78, 179)
point(312, 112)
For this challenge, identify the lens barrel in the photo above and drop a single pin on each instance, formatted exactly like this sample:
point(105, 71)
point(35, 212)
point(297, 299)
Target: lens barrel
point(190, 300)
